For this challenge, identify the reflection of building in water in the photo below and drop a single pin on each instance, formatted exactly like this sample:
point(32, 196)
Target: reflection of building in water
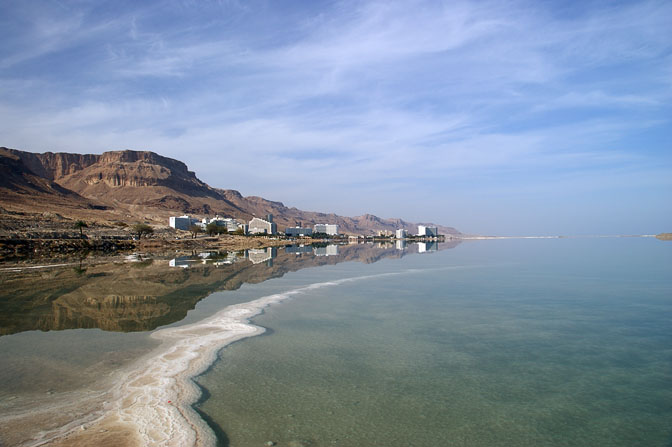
point(299, 249)
point(400, 244)
point(424, 247)
point(259, 255)
point(329, 250)
point(206, 257)
point(182, 261)
point(230, 258)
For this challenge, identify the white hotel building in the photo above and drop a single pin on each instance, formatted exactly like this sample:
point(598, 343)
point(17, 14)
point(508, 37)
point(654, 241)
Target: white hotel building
point(330, 229)
point(427, 231)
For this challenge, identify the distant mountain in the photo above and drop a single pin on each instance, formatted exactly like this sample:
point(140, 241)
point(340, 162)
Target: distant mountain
point(147, 186)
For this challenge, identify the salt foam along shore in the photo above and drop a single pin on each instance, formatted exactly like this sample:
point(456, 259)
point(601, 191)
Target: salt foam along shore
point(152, 403)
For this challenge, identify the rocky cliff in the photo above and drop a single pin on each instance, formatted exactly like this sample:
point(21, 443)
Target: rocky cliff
point(146, 186)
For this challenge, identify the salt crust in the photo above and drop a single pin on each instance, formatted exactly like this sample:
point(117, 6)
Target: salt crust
point(154, 398)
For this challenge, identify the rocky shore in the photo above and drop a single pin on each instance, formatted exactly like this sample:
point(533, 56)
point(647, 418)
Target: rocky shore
point(50, 235)
point(28, 248)
point(21, 248)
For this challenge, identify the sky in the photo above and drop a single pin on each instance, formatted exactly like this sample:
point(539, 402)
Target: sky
point(512, 117)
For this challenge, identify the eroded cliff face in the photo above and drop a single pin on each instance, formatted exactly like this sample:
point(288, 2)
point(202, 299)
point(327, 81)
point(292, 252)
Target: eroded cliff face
point(139, 183)
point(143, 185)
point(20, 185)
point(57, 165)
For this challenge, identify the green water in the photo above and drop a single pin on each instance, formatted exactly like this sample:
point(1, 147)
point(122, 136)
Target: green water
point(494, 343)
point(68, 332)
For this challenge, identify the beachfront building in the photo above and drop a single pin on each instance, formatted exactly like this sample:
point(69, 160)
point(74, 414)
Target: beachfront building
point(401, 234)
point(230, 223)
point(330, 229)
point(182, 222)
point(298, 231)
point(233, 225)
point(427, 231)
point(262, 226)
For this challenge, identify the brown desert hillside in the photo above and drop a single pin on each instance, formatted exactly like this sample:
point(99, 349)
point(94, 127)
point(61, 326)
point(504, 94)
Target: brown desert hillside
point(21, 188)
point(143, 185)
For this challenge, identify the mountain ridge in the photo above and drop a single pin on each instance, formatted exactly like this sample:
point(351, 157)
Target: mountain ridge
point(148, 186)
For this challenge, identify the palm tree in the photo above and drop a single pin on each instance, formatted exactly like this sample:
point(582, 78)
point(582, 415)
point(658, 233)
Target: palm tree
point(81, 225)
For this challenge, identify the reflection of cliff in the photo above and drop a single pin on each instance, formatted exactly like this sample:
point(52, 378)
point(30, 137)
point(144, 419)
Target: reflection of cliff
point(141, 297)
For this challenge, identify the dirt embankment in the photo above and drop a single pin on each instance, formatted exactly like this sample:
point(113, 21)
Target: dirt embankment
point(50, 235)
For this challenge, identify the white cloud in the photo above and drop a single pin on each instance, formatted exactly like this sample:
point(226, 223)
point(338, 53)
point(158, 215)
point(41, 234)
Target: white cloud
point(383, 95)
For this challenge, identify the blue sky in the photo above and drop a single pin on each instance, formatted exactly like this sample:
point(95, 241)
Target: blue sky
point(505, 117)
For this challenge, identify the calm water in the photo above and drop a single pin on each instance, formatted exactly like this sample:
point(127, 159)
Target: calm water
point(495, 343)
point(561, 342)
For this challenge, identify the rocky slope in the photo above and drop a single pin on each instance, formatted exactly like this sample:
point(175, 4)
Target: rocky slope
point(143, 185)
point(19, 183)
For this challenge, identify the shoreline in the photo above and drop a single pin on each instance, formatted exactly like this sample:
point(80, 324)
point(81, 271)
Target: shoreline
point(590, 236)
point(152, 402)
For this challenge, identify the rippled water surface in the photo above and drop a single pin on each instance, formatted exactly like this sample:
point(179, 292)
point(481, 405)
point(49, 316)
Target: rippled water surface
point(564, 342)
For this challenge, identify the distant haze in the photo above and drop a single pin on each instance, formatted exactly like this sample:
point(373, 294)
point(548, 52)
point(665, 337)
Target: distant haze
point(500, 118)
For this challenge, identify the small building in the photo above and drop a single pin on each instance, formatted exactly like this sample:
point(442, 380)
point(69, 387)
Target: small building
point(427, 231)
point(182, 222)
point(329, 229)
point(298, 231)
point(231, 224)
point(261, 226)
point(401, 234)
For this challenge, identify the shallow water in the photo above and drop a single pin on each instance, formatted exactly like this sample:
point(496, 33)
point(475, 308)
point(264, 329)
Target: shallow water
point(71, 335)
point(511, 343)
point(506, 342)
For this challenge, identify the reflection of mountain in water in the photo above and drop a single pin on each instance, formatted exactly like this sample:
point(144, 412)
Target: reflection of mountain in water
point(142, 296)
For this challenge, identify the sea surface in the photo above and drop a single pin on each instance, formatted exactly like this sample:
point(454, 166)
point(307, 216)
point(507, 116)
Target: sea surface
point(531, 342)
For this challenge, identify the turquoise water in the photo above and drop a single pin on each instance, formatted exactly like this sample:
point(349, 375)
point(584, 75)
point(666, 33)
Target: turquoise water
point(564, 342)
point(68, 332)
point(559, 342)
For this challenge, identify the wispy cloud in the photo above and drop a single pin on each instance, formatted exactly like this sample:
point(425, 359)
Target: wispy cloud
point(350, 98)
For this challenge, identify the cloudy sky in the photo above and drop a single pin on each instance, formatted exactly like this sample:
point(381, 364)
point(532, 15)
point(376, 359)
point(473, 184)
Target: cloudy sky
point(496, 117)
